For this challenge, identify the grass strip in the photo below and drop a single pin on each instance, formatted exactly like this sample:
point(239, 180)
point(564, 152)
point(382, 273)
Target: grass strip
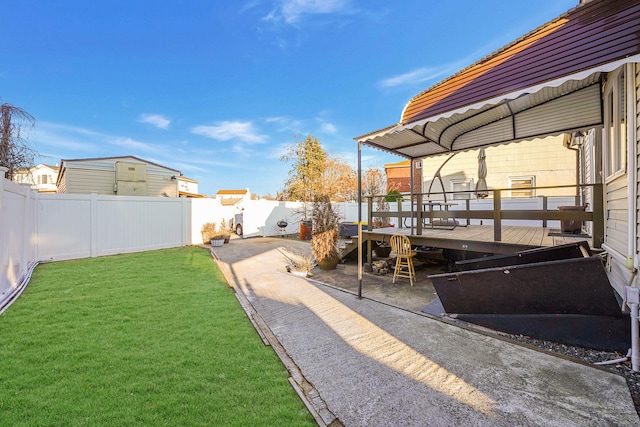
point(152, 338)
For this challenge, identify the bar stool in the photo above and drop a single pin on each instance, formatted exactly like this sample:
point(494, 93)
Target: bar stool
point(401, 246)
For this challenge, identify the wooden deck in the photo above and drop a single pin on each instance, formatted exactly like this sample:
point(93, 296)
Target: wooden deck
point(478, 238)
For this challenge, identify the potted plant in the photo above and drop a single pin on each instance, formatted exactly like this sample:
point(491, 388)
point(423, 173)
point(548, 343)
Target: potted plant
point(217, 239)
point(207, 231)
point(326, 225)
point(393, 196)
point(213, 234)
point(301, 264)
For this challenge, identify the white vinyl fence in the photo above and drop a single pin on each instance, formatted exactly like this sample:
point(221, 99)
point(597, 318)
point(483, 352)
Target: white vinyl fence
point(17, 235)
point(51, 227)
point(38, 227)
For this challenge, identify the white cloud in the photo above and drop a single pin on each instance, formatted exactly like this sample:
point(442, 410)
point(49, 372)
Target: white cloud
point(279, 120)
point(227, 130)
point(329, 128)
point(419, 75)
point(132, 144)
point(77, 142)
point(64, 138)
point(156, 120)
point(292, 10)
point(285, 124)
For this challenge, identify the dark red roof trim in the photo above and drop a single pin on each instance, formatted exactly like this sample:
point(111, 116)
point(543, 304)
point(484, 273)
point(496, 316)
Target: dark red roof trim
point(592, 34)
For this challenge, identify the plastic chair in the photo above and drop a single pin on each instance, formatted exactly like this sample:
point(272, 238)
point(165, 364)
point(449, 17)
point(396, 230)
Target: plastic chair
point(401, 246)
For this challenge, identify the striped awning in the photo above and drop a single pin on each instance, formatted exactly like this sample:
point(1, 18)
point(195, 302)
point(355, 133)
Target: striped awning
point(545, 83)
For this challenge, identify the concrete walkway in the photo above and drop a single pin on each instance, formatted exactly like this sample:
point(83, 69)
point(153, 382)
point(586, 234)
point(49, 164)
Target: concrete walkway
point(359, 362)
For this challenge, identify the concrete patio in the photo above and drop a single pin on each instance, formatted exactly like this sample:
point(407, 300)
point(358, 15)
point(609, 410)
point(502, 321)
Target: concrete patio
point(378, 361)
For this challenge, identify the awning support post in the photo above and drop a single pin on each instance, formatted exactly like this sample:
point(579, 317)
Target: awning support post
point(359, 220)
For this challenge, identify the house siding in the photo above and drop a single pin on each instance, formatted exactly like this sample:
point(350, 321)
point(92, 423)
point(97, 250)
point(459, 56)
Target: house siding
point(617, 226)
point(616, 215)
point(161, 185)
point(62, 184)
point(85, 181)
point(546, 159)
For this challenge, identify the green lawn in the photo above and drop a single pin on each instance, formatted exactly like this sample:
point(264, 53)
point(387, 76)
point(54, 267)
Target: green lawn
point(153, 338)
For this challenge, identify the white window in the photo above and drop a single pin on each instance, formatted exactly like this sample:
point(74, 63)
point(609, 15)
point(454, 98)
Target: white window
point(522, 186)
point(461, 185)
point(615, 127)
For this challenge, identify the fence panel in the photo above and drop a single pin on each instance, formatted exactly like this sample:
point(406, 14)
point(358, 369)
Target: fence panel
point(260, 217)
point(204, 211)
point(134, 224)
point(17, 239)
point(63, 223)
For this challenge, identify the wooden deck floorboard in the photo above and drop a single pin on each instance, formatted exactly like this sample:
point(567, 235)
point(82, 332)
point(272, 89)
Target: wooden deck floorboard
point(513, 237)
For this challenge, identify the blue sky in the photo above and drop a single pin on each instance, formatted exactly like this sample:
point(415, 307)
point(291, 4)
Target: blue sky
point(218, 89)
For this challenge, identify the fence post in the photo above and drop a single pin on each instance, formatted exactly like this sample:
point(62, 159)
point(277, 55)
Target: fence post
point(27, 227)
point(419, 213)
point(93, 224)
point(467, 204)
point(186, 219)
point(497, 214)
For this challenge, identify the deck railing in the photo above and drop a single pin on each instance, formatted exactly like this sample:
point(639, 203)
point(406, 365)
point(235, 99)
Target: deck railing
point(422, 210)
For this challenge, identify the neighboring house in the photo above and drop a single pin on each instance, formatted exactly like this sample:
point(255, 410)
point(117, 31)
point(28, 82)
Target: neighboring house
point(518, 166)
point(126, 176)
point(399, 176)
point(41, 177)
point(188, 187)
point(232, 197)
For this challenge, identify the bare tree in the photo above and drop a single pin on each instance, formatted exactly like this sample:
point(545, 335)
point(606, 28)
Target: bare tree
point(15, 153)
point(340, 181)
point(374, 183)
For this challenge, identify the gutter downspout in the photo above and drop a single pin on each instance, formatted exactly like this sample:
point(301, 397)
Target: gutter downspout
point(578, 138)
point(632, 297)
point(632, 294)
